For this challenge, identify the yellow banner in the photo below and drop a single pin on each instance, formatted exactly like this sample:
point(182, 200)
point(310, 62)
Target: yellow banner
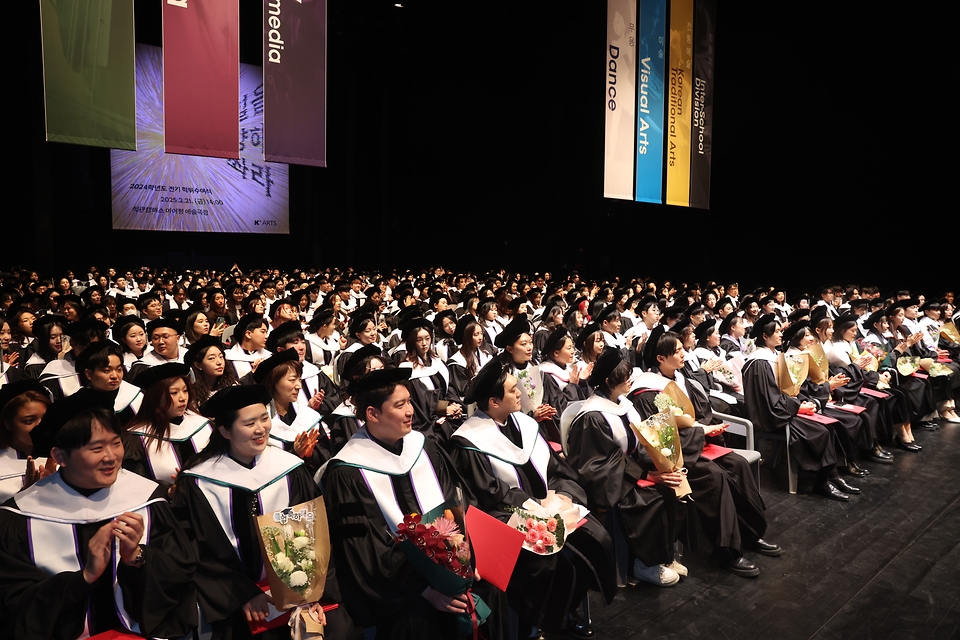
point(680, 102)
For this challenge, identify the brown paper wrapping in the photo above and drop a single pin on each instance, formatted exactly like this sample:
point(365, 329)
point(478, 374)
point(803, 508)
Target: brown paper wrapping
point(283, 596)
point(819, 369)
point(790, 383)
point(950, 333)
point(663, 463)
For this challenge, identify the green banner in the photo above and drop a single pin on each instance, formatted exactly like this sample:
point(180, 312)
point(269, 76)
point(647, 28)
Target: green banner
point(88, 72)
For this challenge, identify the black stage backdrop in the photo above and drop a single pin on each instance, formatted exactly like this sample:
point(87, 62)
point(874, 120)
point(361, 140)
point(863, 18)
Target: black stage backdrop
point(472, 134)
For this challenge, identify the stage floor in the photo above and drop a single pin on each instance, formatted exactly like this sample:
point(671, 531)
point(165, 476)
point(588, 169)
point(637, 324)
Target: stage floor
point(884, 565)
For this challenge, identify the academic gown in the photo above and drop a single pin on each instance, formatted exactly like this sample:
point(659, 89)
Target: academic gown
point(877, 414)
point(812, 444)
point(222, 498)
point(342, 423)
point(186, 437)
point(460, 378)
point(602, 448)
point(849, 427)
point(44, 534)
point(60, 378)
point(912, 390)
point(380, 587)
point(314, 380)
point(558, 393)
point(509, 464)
point(430, 394)
point(300, 418)
point(725, 491)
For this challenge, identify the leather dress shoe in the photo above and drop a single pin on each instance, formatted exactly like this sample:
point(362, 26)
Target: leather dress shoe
point(578, 627)
point(881, 455)
point(855, 470)
point(907, 446)
point(928, 425)
point(765, 548)
point(829, 490)
point(742, 567)
point(842, 484)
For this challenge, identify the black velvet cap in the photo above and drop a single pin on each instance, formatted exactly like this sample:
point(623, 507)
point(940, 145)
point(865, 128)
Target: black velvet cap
point(234, 398)
point(554, 340)
point(462, 323)
point(164, 323)
point(358, 355)
point(798, 314)
point(609, 358)
point(414, 325)
point(11, 390)
point(283, 334)
point(320, 318)
point(874, 318)
point(725, 325)
point(585, 333)
point(247, 323)
point(481, 387)
point(124, 324)
point(794, 329)
point(44, 435)
point(703, 330)
point(88, 324)
point(605, 314)
point(762, 322)
point(512, 332)
point(264, 368)
point(818, 313)
point(161, 372)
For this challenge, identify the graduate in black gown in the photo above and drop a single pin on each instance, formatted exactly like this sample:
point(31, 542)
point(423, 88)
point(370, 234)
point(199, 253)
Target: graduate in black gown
point(725, 490)
point(437, 410)
point(60, 577)
point(505, 461)
point(603, 449)
point(167, 431)
point(561, 379)
point(237, 477)
point(812, 444)
point(387, 470)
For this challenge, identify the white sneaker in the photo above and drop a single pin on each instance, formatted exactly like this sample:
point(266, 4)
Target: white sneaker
point(679, 568)
point(659, 575)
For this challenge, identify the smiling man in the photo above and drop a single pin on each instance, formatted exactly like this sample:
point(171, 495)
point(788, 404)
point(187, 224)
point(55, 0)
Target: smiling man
point(92, 548)
point(385, 471)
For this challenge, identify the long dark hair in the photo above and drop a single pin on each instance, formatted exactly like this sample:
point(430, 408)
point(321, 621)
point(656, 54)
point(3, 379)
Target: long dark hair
point(201, 391)
point(156, 401)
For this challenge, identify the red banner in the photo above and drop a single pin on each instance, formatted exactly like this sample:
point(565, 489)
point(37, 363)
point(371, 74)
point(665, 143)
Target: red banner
point(201, 77)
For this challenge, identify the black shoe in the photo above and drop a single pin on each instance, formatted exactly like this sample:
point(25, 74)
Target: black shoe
point(928, 426)
point(578, 627)
point(765, 548)
point(742, 567)
point(906, 446)
point(829, 490)
point(841, 484)
point(883, 452)
point(855, 470)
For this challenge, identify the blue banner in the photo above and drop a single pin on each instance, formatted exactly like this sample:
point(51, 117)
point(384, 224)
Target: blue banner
point(651, 64)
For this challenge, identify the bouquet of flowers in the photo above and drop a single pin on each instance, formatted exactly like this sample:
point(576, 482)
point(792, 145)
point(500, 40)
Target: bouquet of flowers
point(908, 365)
point(792, 370)
point(437, 546)
point(660, 438)
point(937, 369)
point(295, 544)
point(819, 369)
point(546, 524)
point(530, 381)
point(875, 350)
point(672, 399)
point(730, 376)
point(749, 346)
point(950, 333)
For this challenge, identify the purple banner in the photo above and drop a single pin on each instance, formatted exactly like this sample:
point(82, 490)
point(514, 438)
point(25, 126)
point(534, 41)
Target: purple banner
point(295, 81)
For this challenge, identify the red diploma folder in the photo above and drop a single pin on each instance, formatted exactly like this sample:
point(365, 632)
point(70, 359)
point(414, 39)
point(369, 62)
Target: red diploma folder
point(496, 547)
point(713, 451)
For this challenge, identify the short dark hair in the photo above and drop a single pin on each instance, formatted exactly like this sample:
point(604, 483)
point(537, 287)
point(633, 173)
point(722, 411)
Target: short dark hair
point(495, 392)
point(76, 433)
point(620, 374)
point(375, 397)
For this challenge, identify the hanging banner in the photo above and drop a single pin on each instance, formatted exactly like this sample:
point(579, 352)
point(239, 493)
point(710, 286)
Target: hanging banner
point(201, 77)
point(702, 125)
point(680, 101)
point(620, 99)
point(295, 81)
point(88, 72)
point(651, 63)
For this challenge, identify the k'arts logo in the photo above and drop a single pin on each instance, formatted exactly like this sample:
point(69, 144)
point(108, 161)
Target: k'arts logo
point(264, 223)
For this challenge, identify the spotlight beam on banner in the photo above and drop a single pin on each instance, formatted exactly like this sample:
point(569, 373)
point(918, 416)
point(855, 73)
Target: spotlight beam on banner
point(201, 77)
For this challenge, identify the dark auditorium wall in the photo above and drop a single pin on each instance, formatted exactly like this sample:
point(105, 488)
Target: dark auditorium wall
point(474, 131)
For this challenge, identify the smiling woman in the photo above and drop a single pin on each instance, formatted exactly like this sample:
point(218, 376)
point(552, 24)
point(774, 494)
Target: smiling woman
point(237, 477)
